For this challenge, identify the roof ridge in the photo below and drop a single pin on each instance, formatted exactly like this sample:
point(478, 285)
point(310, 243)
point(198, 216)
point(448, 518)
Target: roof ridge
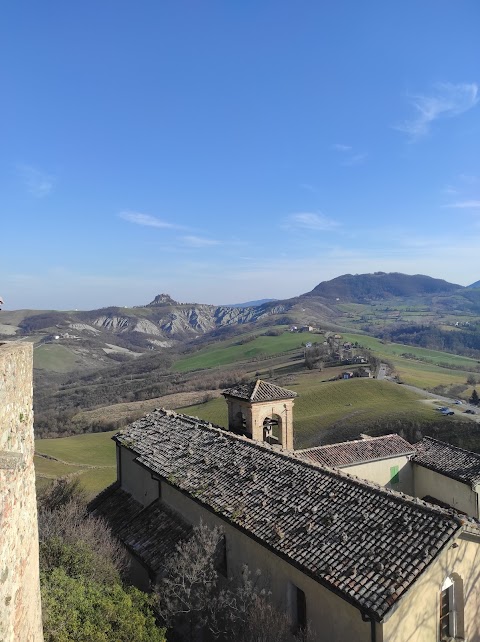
point(445, 443)
point(254, 391)
point(293, 457)
point(355, 441)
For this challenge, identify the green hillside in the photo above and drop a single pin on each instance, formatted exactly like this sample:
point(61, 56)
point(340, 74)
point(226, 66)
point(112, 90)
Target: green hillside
point(56, 358)
point(336, 410)
point(228, 352)
point(89, 457)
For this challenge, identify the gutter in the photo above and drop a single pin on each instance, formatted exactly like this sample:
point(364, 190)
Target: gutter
point(373, 631)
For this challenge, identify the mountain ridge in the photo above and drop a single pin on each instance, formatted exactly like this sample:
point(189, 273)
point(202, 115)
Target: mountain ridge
point(115, 333)
point(360, 288)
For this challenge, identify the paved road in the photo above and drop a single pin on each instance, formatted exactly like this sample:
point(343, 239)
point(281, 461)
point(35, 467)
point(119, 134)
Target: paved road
point(457, 409)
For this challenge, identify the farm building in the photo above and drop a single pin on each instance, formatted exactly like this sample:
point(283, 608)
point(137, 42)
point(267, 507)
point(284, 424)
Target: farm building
point(357, 559)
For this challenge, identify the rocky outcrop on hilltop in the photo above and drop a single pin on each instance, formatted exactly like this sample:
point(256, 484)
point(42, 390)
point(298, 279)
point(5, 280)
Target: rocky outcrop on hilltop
point(162, 299)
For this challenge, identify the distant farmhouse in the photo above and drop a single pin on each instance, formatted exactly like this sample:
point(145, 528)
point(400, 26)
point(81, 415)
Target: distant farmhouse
point(341, 531)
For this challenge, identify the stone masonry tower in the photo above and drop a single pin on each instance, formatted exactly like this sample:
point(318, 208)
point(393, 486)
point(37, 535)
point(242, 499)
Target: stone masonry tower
point(261, 411)
point(20, 611)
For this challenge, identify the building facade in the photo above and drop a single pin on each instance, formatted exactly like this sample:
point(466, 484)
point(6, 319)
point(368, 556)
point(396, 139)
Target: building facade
point(358, 561)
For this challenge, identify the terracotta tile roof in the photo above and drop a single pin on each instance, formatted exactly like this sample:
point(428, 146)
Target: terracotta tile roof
point(363, 542)
point(116, 506)
point(150, 533)
point(358, 451)
point(454, 462)
point(154, 534)
point(259, 390)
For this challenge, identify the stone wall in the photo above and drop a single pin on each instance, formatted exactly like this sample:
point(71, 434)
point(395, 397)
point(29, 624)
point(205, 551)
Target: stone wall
point(20, 610)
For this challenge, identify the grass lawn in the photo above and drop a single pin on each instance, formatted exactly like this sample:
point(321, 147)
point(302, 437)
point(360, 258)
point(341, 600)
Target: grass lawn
point(226, 352)
point(425, 375)
point(93, 449)
point(91, 457)
point(325, 408)
point(52, 469)
point(389, 350)
point(95, 480)
point(56, 358)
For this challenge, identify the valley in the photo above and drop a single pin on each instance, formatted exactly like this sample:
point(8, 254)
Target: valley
point(96, 371)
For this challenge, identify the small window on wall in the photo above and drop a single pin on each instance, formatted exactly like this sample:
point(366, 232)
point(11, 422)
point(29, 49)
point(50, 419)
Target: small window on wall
point(451, 608)
point(394, 475)
point(301, 610)
point(221, 557)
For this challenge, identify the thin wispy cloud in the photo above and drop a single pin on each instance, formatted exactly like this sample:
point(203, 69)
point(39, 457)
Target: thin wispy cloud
point(310, 221)
point(309, 187)
point(355, 159)
point(465, 205)
point(470, 179)
point(198, 241)
point(446, 101)
point(138, 218)
point(450, 190)
point(337, 147)
point(349, 156)
point(37, 182)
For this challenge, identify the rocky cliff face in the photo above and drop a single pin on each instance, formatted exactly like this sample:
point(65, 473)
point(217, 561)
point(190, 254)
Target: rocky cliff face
point(181, 321)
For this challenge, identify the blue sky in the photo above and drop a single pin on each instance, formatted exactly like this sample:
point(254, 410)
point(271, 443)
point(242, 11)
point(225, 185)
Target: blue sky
point(229, 151)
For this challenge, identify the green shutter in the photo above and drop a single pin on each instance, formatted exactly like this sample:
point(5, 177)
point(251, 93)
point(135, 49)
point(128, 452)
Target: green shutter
point(394, 475)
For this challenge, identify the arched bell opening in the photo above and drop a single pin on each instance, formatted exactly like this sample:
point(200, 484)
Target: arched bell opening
point(272, 429)
point(240, 423)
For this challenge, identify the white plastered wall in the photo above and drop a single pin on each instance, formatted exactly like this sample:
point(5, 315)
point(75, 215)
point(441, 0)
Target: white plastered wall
point(379, 471)
point(137, 480)
point(452, 492)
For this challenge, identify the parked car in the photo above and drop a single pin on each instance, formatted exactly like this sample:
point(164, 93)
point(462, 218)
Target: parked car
point(447, 412)
point(469, 412)
point(458, 402)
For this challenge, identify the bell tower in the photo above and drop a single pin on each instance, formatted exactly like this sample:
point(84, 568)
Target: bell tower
point(261, 411)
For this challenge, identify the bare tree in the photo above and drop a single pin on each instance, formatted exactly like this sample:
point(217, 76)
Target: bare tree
point(71, 538)
point(188, 588)
point(199, 604)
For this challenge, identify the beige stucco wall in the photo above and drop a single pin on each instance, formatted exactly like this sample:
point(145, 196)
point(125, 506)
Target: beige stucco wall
point(379, 472)
point(20, 610)
point(332, 618)
point(255, 414)
point(137, 480)
point(454, 493)
point(414, 619)
point(418, 615)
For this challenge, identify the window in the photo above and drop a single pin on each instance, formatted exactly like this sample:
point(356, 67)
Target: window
point(297, 607)
point(394, 475)
point(445, 613)
point(301, 610)
point(451, 608)
point(221, 557)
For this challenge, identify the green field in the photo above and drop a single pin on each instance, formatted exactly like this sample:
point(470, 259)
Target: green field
point(389, 350)
point(56, 358)
point(89, 457)
point(227, 352)
point(425, 368)
point(336, 410)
